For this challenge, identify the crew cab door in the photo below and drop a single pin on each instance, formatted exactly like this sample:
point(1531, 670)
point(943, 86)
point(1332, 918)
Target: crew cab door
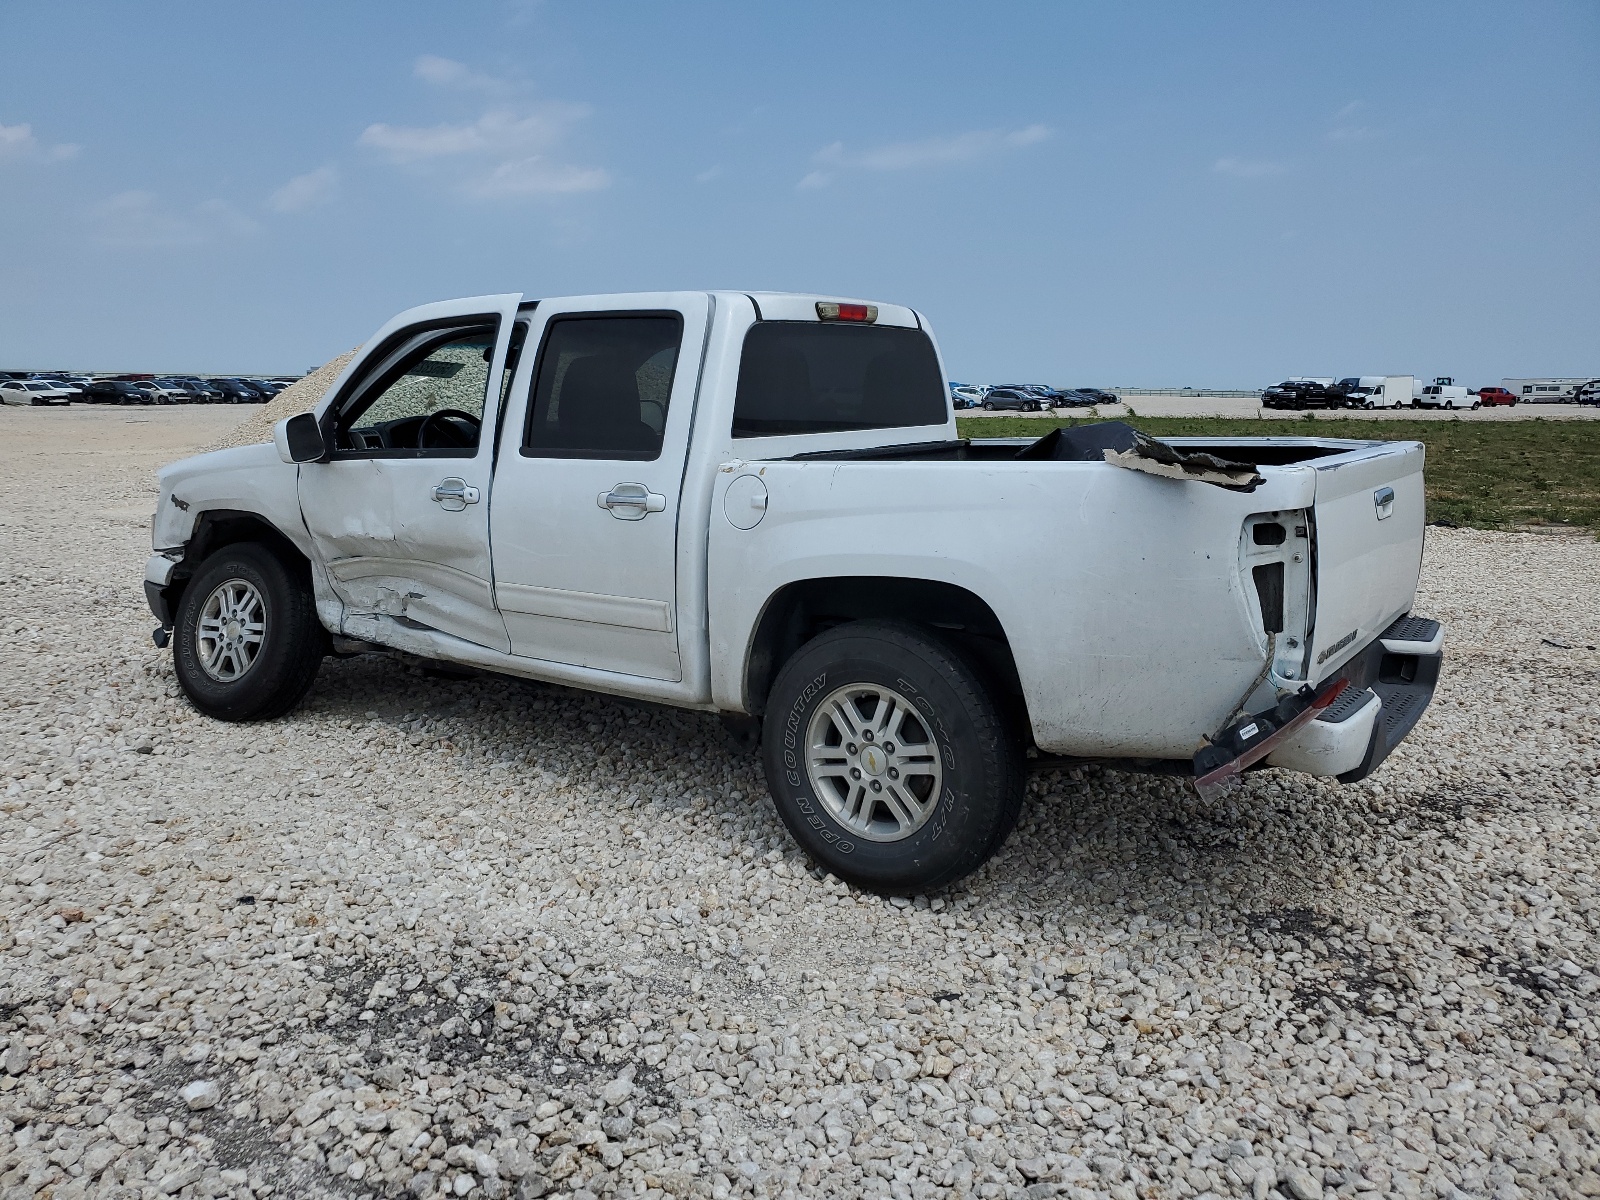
point(584, 517)
point(399, 511)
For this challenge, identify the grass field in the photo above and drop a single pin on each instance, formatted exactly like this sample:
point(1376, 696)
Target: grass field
point(1491, 476)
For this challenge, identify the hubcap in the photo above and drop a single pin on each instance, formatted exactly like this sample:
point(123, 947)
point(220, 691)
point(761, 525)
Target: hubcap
point(875, 763)
point(232, 626)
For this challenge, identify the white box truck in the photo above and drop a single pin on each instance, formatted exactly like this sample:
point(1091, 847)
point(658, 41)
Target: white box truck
point(1378, 391)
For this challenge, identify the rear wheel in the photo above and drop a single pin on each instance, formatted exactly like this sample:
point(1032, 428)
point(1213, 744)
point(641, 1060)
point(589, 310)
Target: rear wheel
point(889, 759)
point(247, 643)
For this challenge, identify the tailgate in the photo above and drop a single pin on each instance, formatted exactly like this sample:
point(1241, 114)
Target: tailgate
point(1369, 525)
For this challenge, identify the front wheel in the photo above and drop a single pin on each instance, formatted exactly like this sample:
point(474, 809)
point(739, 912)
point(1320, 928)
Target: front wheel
point(247, 643)
point(989, 405)
point(888, 758)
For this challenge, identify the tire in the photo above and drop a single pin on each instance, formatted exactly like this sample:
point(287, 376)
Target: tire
point(287, 654)
point(964, 773)
point(989, 404)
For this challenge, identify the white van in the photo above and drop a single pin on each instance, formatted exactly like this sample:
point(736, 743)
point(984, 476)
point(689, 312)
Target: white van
point(1377, 391)
point(1445, 392)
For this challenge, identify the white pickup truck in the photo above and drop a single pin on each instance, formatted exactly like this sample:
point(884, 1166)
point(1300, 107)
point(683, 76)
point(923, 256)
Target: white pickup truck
point(758, 505)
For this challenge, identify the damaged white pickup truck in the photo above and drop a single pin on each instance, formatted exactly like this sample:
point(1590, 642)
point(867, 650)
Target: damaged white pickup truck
point(758, 505)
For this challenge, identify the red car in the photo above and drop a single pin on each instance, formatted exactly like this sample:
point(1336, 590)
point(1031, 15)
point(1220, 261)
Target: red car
point(1496, 395)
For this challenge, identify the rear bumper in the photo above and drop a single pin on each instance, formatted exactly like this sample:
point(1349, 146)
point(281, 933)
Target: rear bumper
point(1361, 716)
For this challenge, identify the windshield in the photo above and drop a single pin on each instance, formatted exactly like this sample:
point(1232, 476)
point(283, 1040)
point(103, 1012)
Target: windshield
point(809, 377)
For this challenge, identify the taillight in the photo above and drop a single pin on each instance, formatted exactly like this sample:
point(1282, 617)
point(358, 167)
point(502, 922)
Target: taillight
point(827, 311)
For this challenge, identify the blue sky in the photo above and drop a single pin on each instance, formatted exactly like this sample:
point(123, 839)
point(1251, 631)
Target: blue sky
point(1204, 194)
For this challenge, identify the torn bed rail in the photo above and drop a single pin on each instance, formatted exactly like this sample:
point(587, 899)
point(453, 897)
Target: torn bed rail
point(1122, 445)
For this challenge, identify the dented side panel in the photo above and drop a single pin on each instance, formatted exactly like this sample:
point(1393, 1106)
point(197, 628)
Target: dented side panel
point(1121, 593)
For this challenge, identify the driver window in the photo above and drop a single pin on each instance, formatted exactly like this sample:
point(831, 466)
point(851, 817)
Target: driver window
point(425, 397)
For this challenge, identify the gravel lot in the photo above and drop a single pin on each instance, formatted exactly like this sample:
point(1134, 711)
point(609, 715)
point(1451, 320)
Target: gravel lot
point(432, 936)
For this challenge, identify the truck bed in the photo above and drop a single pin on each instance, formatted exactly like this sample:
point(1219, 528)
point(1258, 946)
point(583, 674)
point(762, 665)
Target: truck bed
point(1131, 602)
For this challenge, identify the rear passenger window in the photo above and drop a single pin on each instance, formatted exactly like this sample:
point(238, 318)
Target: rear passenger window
point(603, 386)
point(805, 377)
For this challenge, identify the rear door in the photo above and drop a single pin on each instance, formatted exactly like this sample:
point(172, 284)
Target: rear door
point(400, 511)
point(1369, 530)
point(584, 517)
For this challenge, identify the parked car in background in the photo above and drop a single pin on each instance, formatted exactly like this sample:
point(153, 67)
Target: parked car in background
point(115, 391)
point(74, 390)
point(267, 387)
point(203, 390)
point(1074, 398)
point(1587, 393)
point(1302, 393)
point(967, 395)
point(162, 393)
point(1100, 395)
point(33, 391)
point(1013, 399)
point(1445, 392)
point(237, 391)
point(1496, 395)
point(178, 389)
point(181, 390)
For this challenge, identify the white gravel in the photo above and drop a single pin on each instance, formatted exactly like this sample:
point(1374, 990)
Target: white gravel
point(473, 937)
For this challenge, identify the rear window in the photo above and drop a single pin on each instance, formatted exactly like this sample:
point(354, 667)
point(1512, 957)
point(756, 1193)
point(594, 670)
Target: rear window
point(804, 377)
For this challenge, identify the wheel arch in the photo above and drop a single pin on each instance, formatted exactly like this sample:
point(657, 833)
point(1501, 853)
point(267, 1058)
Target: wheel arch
point(800, 610)
point(216, 528)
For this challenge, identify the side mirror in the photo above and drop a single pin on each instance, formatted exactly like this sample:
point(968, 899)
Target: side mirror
point(299, 439)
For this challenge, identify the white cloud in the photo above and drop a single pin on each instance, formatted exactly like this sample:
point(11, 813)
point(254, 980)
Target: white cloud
point(447, 72)
point(17, 144)
point(138, 220)
point(954, 150)
point(1349, 110)
point(709, 174)
point(1351, 133)
point(1247, 168)
point(498, 132)
point(534, 176)
point(507, 152)
point(310, 190)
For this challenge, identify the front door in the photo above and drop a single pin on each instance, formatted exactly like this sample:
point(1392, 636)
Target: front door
point(585, 511)
point(400, 512)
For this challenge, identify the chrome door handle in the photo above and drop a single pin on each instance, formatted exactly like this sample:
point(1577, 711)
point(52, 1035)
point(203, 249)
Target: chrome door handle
point(1383, 501)
point(455, 494)
point(631, 501)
